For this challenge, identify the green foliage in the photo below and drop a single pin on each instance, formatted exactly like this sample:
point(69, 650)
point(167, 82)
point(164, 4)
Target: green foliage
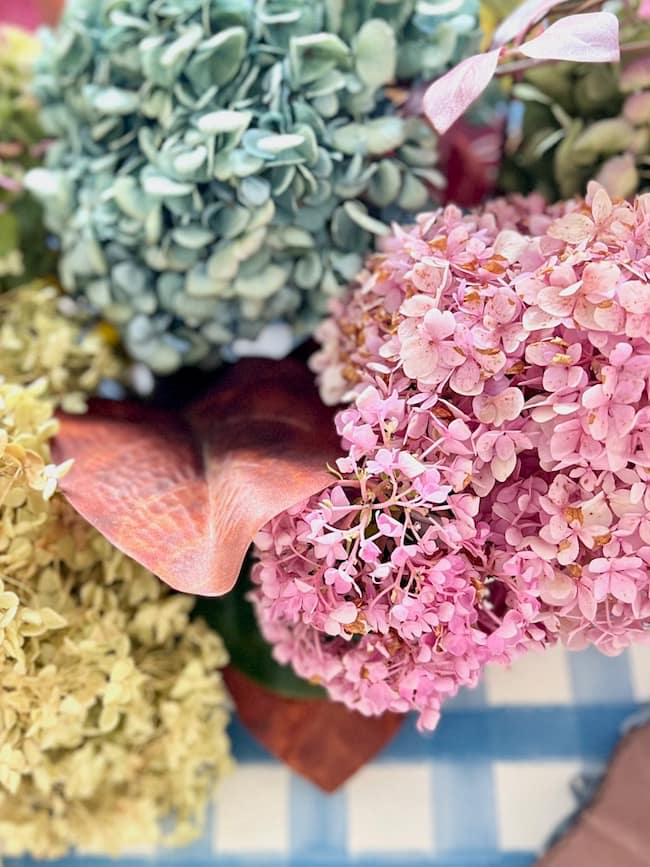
point(23, 250)
point(584, 121)
point(232, 616)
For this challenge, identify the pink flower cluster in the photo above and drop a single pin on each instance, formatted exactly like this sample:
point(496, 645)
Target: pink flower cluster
point(495, 493)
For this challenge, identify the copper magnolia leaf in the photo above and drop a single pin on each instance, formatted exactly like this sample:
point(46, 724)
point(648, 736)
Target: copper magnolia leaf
point(319, 739)
point(185, 492)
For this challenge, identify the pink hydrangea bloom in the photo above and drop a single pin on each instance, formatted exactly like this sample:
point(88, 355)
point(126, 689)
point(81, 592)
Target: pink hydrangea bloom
point(495, 490)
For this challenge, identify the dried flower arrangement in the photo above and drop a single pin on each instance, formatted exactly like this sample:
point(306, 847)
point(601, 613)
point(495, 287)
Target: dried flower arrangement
point(467, 481)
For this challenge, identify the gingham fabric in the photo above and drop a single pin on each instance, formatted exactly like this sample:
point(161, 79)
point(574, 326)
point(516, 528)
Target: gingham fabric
point(485, 790)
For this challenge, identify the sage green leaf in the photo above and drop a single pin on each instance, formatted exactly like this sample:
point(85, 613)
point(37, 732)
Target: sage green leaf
point(308, 271)
point(232, 222)
point(385, 184)
point(218, 122)
point(275, 144)
point(159, 185)
point(262, 285)
point(177, 52)
point(313, 56)
point(250, 243)
point(114, 100)
point(190, 162)
point(192, 237)
point(254, 192)
point(200, 283)
point(358, 213)
point(414, 194)
point(375, 52)
point(223, 264)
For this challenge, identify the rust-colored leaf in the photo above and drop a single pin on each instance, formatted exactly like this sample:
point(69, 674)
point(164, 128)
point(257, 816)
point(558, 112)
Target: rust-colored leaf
point(319, 739)
point(185, 492)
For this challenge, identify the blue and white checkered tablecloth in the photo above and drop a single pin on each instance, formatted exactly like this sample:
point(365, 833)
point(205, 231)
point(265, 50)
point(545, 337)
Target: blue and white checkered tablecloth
point(485, 790)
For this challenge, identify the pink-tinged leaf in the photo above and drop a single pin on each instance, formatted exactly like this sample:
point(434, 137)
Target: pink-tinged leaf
point(184, 493)
point(449, 97)
point(588, 38)
point(521, 19)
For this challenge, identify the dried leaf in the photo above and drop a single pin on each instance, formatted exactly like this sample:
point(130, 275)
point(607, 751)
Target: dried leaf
point(449, 97)
point(588, 38)
point(321, 740)
point(184, 493)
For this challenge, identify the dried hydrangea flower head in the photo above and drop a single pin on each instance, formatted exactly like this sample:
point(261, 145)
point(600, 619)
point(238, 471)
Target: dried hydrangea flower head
point(39, 342)
point(583, 121)
point(224, 167)
point(23, 250)
point(495, 490)
point(113, 713)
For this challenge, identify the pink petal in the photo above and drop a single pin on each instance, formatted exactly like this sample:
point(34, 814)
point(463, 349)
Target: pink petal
point(551, 301)
point(449, 97)
point(623, 419)
point(439, 325)
point(572, 228)
point(644, 9)
point(634, 297)
point(622, 587)
point(420, 358)
point(588, 38)
point(417, 305)
point(600, 278)
point(346, 613)
point(586, 602)
point(503, 467)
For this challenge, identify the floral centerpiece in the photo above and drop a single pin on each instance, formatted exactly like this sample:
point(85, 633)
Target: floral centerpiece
point(457, 477)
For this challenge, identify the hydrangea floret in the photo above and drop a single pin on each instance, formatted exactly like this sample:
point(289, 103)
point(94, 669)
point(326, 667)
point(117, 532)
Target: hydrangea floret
point(24, 253)
point(494, 493)
point(223, 168)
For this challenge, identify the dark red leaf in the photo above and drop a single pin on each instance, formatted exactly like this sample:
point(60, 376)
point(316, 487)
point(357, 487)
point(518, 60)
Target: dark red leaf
point(185, 493)
point(321, 740)
point(470, 156)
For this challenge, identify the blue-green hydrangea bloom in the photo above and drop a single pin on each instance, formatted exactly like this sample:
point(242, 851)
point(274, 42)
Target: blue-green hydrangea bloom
point(223, 165)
